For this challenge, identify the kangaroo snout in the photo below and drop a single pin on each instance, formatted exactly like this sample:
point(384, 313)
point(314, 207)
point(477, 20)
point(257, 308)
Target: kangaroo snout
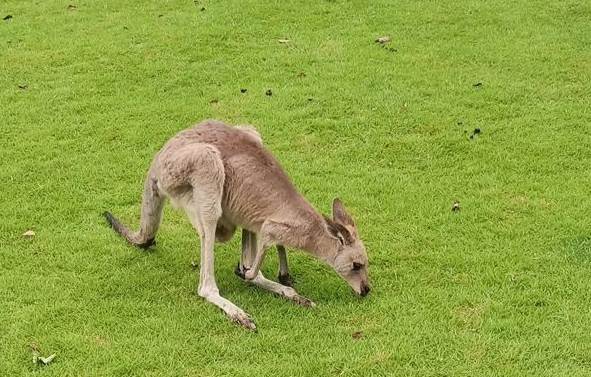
point(364, 289)
point(361, 289)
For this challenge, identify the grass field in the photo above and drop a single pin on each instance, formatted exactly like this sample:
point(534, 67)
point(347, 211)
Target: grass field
point(89, 92)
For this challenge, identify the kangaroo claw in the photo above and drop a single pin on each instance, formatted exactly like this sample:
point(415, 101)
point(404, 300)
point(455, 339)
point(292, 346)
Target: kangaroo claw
point(244, 320)
point(303, 301)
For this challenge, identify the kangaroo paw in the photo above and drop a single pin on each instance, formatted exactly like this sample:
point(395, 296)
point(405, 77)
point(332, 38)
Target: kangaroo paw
point(286, 280)
point(232, 311)
point(244, 320)
point(303, 301)
point(240, 271)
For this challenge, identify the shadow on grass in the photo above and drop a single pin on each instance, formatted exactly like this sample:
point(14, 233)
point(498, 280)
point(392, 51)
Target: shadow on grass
point(577, 249)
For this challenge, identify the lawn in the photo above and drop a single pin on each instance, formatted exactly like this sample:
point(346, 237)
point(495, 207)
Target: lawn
point(90, 90)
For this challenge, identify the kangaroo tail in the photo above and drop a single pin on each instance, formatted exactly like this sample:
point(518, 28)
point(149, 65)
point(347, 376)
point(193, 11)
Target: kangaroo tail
point(152, 203)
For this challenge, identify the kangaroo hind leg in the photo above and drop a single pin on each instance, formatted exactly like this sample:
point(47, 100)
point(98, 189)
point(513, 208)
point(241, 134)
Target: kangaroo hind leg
point(204, 211)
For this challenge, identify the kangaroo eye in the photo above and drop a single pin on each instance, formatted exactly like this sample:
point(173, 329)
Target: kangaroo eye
point(357, 266)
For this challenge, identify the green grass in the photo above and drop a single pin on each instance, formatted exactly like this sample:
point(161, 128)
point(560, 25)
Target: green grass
point(499, 288)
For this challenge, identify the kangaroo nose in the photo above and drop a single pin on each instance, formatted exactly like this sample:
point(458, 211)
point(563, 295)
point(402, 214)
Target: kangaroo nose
point(365, 290)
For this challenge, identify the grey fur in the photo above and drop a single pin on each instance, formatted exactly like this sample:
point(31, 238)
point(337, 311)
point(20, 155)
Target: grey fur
point(224, 178)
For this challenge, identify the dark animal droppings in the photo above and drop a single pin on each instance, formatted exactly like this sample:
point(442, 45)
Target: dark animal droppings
point(7, 17)
point(391, 49)
point(269, 92)
point(476, 131)
point(243, 90)
point(477, 84)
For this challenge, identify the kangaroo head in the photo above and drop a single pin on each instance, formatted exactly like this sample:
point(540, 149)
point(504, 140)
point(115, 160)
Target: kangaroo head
point(350, 261)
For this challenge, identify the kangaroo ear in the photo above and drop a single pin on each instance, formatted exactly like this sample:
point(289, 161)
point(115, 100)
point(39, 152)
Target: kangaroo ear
point(339, 213)
point(338, 230)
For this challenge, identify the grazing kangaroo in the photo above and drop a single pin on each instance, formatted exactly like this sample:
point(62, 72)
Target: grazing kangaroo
point(224, 178)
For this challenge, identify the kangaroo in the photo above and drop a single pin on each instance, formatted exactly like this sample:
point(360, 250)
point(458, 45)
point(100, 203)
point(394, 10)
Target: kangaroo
point(224, 178)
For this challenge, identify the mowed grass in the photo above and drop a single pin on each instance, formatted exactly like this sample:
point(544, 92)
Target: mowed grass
point(499, 288)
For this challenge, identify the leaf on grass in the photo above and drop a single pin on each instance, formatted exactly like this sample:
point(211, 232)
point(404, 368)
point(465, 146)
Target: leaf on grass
point(37, 358)
point(23, 85)
point(284, 40)
point(40, 360)
point(71, 6)
point(383, 39)
point(455, 206)
point(357, 335)
point(29, 234)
